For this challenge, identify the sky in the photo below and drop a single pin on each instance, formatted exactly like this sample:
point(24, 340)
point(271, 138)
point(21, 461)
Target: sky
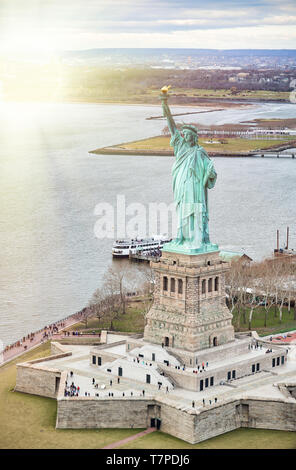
point(47, 26)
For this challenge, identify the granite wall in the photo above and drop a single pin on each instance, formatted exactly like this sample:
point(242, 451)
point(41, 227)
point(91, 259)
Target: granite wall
point(185, 423)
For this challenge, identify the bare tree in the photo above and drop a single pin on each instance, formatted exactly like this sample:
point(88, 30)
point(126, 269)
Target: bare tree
point(85, 314)
point(233, 287)
point(254, 297)
point(266, 285)
point(115, 283)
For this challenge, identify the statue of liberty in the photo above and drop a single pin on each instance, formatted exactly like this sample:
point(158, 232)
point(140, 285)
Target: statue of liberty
point(193, 174)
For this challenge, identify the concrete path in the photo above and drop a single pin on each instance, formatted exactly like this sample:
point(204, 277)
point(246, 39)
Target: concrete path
point(15, 350)
point(116, 445)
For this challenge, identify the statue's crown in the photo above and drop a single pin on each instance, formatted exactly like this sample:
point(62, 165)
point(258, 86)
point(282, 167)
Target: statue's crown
point(190, 128)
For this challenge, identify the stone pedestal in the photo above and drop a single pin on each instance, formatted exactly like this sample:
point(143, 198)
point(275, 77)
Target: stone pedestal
point(189, 311)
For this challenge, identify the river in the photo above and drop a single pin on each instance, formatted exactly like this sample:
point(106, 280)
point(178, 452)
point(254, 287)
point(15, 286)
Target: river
point(51, 261)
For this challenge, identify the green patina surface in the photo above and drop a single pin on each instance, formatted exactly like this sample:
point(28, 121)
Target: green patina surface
point(193, 175)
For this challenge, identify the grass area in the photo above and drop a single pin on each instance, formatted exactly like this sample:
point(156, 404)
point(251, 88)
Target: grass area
point(132, 321)
point(226, 93)
point(273, 324)
point(231, 145)
point(28, 422)
point(242, 438)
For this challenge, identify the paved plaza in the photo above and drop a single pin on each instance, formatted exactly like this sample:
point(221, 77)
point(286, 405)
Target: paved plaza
point(261, 384)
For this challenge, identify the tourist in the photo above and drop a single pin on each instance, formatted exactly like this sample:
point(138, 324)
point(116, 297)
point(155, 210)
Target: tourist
point(118, 380)
point(143, 391)
point(193, 404)
point(216, 399)
point(111, 383)
point(203, 402)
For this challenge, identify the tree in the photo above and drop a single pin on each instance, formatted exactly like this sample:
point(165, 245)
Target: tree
point(85, 314)
point(116, 285)
point(254, 300)
point(233, 284)
point(267, 287)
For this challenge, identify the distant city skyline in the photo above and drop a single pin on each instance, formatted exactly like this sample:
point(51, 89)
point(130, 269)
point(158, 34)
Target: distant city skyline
point(44, 27)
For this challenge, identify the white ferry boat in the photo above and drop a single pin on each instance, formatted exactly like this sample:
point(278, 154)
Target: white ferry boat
point(138, 245)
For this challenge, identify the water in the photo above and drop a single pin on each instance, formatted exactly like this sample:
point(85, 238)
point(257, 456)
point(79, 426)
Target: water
point(51, 262)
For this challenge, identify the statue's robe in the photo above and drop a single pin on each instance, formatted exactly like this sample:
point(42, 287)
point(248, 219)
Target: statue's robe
point(193, 174)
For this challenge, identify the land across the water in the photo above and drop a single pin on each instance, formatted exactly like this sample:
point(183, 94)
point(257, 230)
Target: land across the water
point(227, 140)
point(232, 147)
point(190, 97)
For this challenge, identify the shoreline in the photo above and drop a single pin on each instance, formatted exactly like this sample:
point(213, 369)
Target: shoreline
point(34, 339)
point(120, 150)
point(201, 102)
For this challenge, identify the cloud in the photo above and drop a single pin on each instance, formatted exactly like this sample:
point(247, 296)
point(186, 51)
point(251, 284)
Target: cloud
point(83, 24)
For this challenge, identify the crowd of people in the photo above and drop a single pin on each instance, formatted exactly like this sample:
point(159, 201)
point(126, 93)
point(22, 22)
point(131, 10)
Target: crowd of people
point(155, 253)
point(46, 333)
point(43, 334)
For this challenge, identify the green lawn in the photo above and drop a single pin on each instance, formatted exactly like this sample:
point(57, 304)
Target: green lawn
point(273, 324)
point(28, 421)
point(242, 438)
point(231, 145)
point(132, 321)
point(225, 93)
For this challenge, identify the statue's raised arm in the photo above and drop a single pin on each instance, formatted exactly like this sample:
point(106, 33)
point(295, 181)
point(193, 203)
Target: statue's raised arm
point(166, 110)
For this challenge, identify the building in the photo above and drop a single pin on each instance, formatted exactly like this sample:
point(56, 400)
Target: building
point(189, 375)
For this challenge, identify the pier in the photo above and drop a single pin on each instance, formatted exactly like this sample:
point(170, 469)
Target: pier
point(276, 155)
point(141, 257)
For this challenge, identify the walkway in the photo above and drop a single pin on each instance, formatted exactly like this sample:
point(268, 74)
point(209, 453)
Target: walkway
point(16, 350)
point(116, 445)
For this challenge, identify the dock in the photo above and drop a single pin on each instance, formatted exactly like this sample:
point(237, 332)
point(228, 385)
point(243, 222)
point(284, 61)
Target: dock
point(286, 253)
point(141, 257)
point(277, 155)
